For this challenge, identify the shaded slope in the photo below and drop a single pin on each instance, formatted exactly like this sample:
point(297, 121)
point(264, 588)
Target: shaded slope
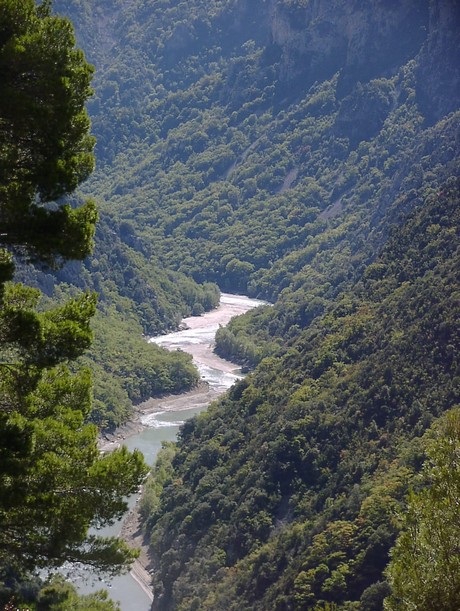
point(293, 479)
point(307, 156)
point(202, 115)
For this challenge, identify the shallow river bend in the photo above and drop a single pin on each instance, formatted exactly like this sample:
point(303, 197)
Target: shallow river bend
point(165, 417)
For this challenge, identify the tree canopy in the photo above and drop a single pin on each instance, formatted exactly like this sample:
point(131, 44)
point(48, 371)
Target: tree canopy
point(54, 483)
point(303, 152)
point(46, 148)
point(425, 563)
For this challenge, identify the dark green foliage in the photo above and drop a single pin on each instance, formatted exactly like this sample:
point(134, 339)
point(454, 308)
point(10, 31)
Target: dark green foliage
point(60, 595)
point(54, 483)
point(46, 152)
point(46, 149)
point(294, 479)
point(424, 571)
point(128, 370)
point(124, 280)
point(321, 271)
point(56, 594)
point(241, 193)
point(305, 155)
point(205, 172)
point(372, 104)
point(161, 473)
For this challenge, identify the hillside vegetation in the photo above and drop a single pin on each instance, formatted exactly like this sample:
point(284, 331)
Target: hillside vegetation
point(295, 479)
point(306, 153)
point(55, 484)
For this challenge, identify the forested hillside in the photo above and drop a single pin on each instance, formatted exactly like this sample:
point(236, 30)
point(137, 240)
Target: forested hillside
point(307, 153)
point(54, 482)
point(294, 479)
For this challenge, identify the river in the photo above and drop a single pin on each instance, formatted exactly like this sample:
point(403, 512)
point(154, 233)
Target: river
point(163, 417)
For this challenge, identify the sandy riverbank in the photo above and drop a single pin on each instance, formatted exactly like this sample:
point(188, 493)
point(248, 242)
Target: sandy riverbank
point(131, 530)
point(199, 343)
point(200, 396)
point(134, 536)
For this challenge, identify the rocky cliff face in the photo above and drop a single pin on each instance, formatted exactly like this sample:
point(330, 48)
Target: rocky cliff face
point(317, 38)
point(363, 40)
point(311, 39)
point(438, 82)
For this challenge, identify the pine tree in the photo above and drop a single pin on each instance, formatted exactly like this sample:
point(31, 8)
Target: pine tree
point(46, 149)
point(54, 484)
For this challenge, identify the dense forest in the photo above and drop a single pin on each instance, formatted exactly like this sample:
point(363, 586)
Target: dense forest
point(54, 482)
point(305, 152)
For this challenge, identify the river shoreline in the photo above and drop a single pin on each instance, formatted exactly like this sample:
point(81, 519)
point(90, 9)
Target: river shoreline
point(133, 534)
point(197, 338)
point(199, 396)
point(131, 530)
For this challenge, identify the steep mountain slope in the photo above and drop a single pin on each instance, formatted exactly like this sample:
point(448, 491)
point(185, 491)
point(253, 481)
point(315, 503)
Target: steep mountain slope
point(284, 495)
point(306, 152)
point(218, 150)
